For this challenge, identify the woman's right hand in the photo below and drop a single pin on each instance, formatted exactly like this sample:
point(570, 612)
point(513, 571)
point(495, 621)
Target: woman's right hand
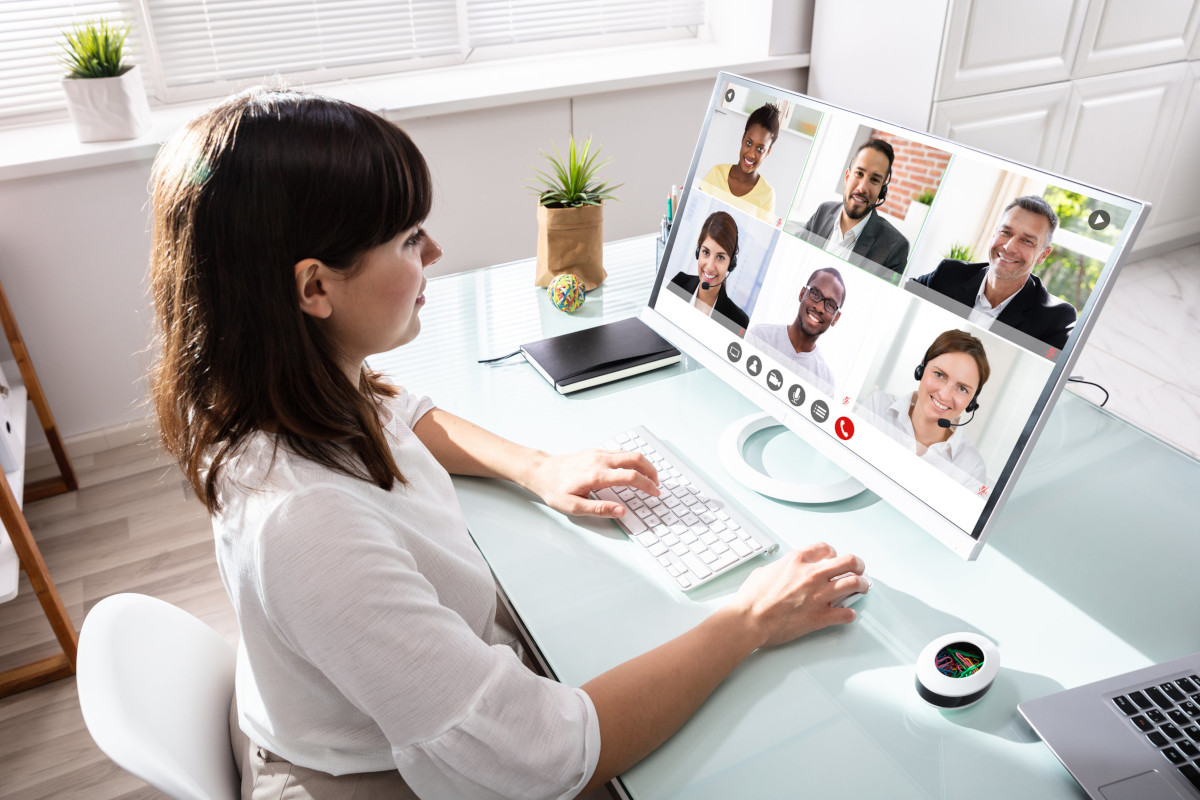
point(792, 596)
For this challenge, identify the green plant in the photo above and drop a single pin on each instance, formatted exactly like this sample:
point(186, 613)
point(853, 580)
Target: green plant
point(961, 252)
point(926, 197)
point(573, 181)
point(93, 50)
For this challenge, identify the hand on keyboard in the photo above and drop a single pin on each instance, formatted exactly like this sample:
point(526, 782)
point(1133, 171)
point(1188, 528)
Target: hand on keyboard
point(564, 481)
point(791, 596)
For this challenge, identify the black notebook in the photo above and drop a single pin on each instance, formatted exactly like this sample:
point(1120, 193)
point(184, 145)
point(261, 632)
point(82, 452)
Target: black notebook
point(599, 355)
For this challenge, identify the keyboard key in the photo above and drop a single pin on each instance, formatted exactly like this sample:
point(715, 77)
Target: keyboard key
point(658, 549)
point(754, 545)
point(1187, 686)
point(1190, 708)
point(652, 520)
point(1172, 731)
point(1173, 755)
point(1188, 749)
point(1156, 716)
point(1142, 724)
point(683, 581)
point(719, 547)
point(1125, 705)
point(1192, 775)
point(1141, 700)
point(1172, 691)
point(665, 561)
point(697, 566)
point(687, 537)
point(1178, 717)
point(679, 549)
point(1160, 699)
point(708, 557)
point(1193, 731)
point(740, 547)
point(724, 561)
point(1157, 739)
point(708, 538)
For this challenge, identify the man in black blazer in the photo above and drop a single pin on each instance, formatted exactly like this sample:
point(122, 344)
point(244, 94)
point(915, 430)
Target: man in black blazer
point(874, 238)
point(1005, 288)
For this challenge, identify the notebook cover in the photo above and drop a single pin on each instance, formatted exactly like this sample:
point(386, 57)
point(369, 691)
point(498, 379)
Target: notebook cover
point(598, 355)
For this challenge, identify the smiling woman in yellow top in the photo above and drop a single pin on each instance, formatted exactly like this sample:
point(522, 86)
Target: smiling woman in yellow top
point(739, 184)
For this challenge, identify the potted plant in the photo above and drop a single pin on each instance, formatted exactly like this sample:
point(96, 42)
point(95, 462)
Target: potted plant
point(570, 215)
point(105, 95)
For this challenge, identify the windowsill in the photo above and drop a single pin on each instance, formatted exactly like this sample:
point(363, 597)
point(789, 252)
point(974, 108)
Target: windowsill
point(52, 147)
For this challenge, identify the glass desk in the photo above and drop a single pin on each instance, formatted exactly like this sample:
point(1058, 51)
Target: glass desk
point(1092, 572)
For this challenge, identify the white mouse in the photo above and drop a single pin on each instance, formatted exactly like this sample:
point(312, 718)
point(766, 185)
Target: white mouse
point(851, 599)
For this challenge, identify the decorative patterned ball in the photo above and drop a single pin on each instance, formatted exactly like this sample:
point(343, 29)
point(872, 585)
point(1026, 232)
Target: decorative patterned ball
point(566, 292)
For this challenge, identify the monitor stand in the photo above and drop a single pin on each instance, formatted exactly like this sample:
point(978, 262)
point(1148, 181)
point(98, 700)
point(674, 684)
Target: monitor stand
point(733, 453)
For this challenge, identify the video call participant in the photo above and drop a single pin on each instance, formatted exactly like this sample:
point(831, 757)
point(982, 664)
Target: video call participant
point(852, 225)
point(739, 184)
point(1005, 287)
point(950, 378)
point(374, 660)
point(716, 258)
point(821, 304)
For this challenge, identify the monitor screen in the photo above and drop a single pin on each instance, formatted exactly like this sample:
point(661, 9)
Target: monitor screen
point(909, 306)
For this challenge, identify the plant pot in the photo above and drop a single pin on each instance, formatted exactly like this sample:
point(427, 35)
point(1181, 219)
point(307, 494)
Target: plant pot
point(104, 109)
point(571, 240)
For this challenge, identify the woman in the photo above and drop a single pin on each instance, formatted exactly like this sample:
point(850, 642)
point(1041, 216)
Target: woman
point(374, 661)
point(950, 378)
point(739, 184)
point(716, 258)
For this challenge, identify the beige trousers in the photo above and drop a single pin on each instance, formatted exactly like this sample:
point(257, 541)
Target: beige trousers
point(266, 776)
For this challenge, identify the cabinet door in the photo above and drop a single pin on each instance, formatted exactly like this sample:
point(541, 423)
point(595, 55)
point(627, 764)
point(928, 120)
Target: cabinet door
point(1025, 125)
point(1117, 128)
point(1128, 34)
point(1176, 214)
point(997, 46)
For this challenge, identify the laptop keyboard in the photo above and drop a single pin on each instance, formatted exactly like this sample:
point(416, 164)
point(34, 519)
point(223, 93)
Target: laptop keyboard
point(1168, 717)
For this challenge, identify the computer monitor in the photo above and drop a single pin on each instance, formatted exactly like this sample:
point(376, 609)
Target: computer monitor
point(910, 306)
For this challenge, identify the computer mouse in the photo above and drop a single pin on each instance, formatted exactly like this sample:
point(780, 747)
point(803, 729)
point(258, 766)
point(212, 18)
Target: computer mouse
point(851, 599)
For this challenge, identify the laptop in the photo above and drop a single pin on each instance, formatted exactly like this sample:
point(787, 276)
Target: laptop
point(1134, 736)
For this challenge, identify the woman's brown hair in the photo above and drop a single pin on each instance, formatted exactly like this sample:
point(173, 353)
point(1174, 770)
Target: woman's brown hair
point(955, 341)
point(244, 192)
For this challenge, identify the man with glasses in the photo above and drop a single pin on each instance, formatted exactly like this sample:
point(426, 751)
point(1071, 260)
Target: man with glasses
point(795, 343)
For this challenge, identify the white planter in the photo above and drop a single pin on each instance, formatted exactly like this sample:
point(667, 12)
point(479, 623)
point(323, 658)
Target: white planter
point(104, 109)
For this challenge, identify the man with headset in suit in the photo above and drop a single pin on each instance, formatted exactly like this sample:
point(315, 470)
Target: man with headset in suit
point(1005, 288)
point(852, 228)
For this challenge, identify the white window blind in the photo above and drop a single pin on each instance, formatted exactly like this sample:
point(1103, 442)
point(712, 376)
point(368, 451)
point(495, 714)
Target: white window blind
point(30, 32)
point(208, 41)
point(202, 48)
point(494, 22)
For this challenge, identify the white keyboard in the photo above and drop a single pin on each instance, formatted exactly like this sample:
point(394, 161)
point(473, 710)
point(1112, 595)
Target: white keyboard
point(689, 530)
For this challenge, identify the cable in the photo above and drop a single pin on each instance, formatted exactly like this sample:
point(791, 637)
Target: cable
point(1074, 379)
point(499, 358)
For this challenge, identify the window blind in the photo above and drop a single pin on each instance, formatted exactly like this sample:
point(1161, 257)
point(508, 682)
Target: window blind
point(495, 22)
point(201, 48)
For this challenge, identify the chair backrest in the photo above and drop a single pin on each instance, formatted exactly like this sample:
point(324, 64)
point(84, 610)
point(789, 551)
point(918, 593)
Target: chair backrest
point(155, 685)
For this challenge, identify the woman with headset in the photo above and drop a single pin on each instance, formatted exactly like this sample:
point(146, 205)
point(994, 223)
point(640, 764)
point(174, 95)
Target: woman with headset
point(949, 380)
point(716, 258)
point(739, 184)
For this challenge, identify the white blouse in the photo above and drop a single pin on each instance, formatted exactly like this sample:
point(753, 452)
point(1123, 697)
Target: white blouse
point(370, 638)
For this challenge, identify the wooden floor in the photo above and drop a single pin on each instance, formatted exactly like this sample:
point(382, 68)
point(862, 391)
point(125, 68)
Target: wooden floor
point(131, 527)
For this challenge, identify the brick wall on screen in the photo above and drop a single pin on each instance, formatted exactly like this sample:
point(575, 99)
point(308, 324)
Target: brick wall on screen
point(916, 169)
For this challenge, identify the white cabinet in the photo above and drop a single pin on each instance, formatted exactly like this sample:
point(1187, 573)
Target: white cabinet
point(993, 47)
point(1104, 91)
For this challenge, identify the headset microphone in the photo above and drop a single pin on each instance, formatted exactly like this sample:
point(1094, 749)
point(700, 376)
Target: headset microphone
point(883, 190)
point(706, 285)
point(945, 423)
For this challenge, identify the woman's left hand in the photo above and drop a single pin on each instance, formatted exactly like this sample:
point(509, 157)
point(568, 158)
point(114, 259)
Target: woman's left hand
point(564, 481)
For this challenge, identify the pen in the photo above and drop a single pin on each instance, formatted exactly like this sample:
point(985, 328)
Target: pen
point(670, 210)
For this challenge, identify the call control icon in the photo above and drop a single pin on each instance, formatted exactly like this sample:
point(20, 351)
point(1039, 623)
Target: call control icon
point(775, 380)
point(796, 395)
point(1099, 219)
point(819, 410)
point(734, 351)
point(844, 428)
point(754, 365)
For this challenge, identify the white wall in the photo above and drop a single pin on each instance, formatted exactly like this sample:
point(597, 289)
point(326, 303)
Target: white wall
point(74, 246)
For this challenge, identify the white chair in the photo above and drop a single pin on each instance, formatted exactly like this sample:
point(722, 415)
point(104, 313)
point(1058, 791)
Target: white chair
point(155, 685)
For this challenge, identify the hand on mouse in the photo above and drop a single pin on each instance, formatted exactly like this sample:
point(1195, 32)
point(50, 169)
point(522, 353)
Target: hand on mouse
point(790, 597)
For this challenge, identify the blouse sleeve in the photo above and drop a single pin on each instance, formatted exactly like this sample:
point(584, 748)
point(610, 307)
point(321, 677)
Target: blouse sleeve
point(464, 719)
